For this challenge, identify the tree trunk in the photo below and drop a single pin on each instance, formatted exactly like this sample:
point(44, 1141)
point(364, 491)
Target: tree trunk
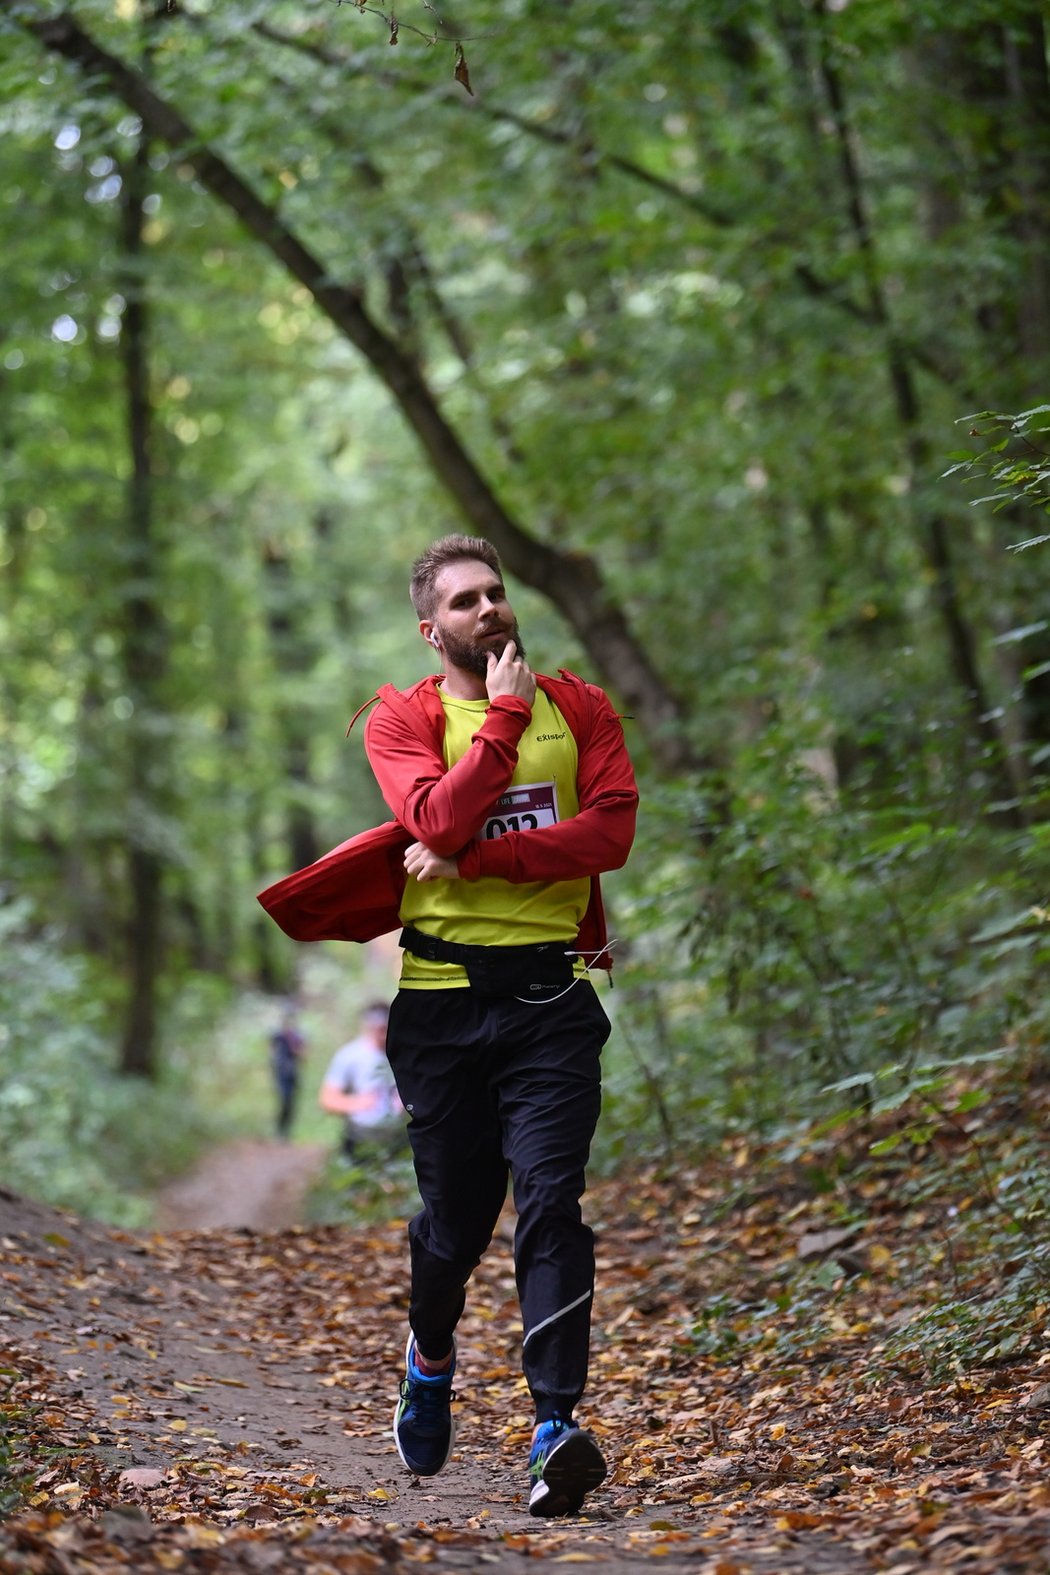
point(932, 529)
point(144, 643)
point(1028, 87)
point(293, 658)
point(1003, 76)
point(14, 526)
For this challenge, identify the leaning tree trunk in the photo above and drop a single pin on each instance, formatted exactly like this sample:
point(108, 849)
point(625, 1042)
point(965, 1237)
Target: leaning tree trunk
point(571, 581)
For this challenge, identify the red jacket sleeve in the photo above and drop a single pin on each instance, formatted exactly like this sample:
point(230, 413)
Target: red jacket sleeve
point(441, 808)
point(353, 893)
point(596, 839)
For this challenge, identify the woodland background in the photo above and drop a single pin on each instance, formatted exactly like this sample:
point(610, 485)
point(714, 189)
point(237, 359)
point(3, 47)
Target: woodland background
point(708, 316)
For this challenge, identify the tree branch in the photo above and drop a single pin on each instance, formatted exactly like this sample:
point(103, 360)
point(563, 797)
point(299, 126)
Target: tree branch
point(571, 581)
point(719, 218)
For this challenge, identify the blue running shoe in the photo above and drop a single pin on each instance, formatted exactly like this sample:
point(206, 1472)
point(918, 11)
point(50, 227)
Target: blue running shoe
point(424, 1431)
point(565, 1464)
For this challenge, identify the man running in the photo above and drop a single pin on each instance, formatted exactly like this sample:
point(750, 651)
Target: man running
point(517, 792)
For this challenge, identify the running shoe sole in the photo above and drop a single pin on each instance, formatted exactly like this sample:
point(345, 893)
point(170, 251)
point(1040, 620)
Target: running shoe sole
point(573, 1468)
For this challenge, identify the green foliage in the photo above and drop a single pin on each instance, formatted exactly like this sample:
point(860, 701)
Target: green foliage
point(885, 967)
point(957, 1333)
point(376, 1187)
point(851, 937)
point(791, 930)
point(77, 1134)
point(945, 1196)
point(984, 1272)
point(702, 299)
point(1017, 463)
point(72, 1131)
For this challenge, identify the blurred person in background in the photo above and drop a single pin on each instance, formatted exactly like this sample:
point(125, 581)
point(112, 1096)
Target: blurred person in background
point(359, 1086)
point(287, 1049)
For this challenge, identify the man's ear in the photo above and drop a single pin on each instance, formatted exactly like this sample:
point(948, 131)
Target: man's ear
point(430, 636)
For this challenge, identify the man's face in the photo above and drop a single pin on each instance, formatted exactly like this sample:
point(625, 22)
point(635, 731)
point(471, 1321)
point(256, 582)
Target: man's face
point(375, 1028)
point(473, 616)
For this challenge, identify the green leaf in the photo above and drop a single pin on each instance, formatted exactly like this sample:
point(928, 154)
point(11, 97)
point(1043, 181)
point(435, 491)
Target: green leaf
point(886, 1145)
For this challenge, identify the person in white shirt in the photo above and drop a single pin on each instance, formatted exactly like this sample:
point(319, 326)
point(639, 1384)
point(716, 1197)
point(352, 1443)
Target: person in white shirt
point(359, 1086)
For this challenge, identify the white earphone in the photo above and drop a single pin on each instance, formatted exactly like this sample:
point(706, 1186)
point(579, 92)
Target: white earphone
point(435, 642)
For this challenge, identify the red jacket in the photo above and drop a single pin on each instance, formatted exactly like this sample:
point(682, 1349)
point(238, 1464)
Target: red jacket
point(354, 892)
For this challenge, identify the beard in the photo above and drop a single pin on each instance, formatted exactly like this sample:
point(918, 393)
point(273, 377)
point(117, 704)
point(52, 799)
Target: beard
point(473, 656)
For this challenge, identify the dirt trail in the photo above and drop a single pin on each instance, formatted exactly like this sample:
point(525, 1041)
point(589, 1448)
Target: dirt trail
point(251, 1184)
point(221, 1399)
point(226, 1384)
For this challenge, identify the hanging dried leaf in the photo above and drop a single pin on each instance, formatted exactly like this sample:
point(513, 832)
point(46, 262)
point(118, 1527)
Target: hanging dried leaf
point(462, 74)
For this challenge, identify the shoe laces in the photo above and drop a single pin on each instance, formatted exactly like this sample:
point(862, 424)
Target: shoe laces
point(428, 1401)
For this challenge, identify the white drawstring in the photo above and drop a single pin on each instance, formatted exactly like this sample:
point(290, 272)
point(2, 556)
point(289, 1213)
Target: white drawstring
point(586, 974)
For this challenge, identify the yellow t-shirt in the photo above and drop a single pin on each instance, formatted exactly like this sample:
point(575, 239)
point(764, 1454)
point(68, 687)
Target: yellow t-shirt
point(492, 911)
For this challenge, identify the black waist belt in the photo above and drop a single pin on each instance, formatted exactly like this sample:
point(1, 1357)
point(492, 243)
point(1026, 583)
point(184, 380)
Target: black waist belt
point(499, 970)
point(435, 950)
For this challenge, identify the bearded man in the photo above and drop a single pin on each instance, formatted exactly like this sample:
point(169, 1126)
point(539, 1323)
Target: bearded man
point(512, 793)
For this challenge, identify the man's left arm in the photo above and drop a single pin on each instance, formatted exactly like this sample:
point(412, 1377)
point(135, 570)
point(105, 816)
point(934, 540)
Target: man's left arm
point(596, 839)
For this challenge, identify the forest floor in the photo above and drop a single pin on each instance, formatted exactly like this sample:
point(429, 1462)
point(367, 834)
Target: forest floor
point(219, 1399)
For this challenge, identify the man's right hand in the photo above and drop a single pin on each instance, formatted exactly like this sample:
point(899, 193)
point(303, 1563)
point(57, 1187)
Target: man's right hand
point(510, 674)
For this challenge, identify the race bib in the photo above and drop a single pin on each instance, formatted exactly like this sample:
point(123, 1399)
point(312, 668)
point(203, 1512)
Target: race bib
point(525, 808)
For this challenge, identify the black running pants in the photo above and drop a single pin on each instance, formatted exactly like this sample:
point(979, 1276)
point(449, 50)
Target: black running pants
point(496, 1089)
